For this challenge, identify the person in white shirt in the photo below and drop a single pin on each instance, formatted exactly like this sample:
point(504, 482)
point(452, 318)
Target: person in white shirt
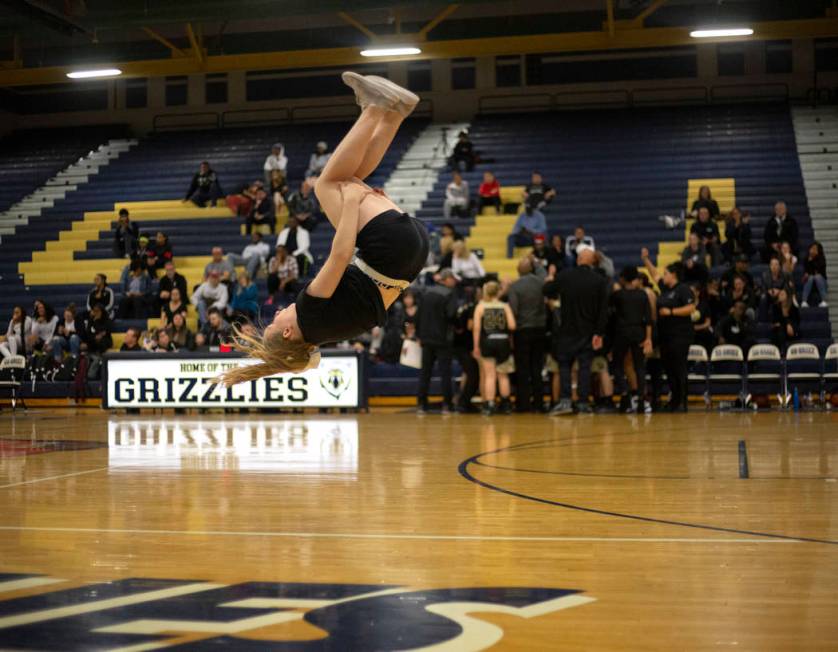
point(457, 197)
point(44, 322)
point(14, 341)
point(465, 263)
point(578, 238)
point(318, 160)
point(297, 241)
point(276, 161)
point(212, 293)
point(253, 255)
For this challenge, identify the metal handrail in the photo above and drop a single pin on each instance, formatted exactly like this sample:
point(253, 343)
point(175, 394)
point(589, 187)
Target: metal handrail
point(784, 86)
point(482, 108)
point(156, 126)
point(226, 115)
point(705, 95)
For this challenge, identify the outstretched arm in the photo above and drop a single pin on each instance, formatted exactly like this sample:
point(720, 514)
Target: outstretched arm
point(650, 267)
point(343, 245)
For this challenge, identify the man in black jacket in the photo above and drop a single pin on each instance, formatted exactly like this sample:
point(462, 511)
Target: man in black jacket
point(204, 187)
point(781, 228)
point(125, 236)
point(527, 302)
point(435, 332)
point(584, 314)
point(171, 279)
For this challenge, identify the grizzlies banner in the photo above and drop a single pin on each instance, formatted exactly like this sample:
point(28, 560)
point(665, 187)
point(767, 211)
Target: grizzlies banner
point(160, 380)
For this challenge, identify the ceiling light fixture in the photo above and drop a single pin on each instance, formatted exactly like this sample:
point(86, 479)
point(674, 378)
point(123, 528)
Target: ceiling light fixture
point(392, 51)
point(93, 74)
point(716, 33)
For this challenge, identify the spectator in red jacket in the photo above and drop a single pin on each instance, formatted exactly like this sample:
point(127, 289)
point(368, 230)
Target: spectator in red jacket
point(489, 192)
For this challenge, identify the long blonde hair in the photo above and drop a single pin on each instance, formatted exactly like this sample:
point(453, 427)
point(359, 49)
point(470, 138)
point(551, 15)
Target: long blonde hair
point(278, 355)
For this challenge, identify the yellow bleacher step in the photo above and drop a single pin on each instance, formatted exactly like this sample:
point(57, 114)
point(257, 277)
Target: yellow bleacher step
point(158, 204)
point(58, 262)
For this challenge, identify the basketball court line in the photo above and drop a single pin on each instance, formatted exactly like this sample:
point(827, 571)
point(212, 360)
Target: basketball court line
point(386, 536)
point(53, 477)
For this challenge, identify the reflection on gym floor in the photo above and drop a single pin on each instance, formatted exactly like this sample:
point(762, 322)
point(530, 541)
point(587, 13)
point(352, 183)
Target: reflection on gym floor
point(312, 446)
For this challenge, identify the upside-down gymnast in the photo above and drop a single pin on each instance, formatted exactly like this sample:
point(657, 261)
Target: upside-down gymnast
point(352, 291)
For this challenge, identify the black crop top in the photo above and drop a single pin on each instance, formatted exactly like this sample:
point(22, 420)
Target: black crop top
point(355, 307)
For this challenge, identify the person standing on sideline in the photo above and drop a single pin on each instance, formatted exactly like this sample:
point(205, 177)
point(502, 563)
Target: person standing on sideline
point(584, 315)
point(633, 333)
point(463, 325)
point(527, 303)
point(675, 329)
point(493, 325)
point(435, 332)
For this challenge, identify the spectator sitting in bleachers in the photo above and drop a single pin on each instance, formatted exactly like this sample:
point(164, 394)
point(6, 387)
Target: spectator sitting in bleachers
point(44, 323)
point(171, 279)
point(814, 268)
point(785, 320)
point(739, 291)
point(702, 319)
point(278, 191)
point(143, 253)
point(205, 187)
point(244, 304)
point(738, 327)
point(788, 261)
point(182, 337)
point(262, 213)
point(97, 331)
point(489, 193)
point(135, 289)
point(465, 264)
point(556, 256)
point(17, 333)
point(101, 295)
point(539, 252)
point(253, 256)
point(705, 200)
point(68, 334)
point(708, 232)
point(226, 270)
point(604, 265)
point(215, 331)
point(774, 279)
point(173, 306)
point(131, 341)
point(302, 205)
point(578, 238)
point(283, 273)
point(530, 223)
point(782, 227)
point(318, 160)
point(164, 342)
point(297, 242)
point(159, 253)
point(741, 267)
point(275, 162)
point(125, 236)
point(212, 293)
point(537, 193)
point(464, 155)
point(694, 259)
point(457, 197)
point(737, 235)
point(241, 203)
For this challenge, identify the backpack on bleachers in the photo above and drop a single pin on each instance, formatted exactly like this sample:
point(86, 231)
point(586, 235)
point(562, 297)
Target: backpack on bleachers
point(42, 367)
point(66, 370)
point(94, 367)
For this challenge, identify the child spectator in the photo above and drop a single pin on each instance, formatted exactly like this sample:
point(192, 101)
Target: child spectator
point(814, 268)
point(125, 236)
point(457, 197)
point(17, 333)
point(204, 188)
point(489, 193)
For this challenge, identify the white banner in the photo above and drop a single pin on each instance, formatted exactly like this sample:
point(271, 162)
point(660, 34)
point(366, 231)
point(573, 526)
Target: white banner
point(175, 381)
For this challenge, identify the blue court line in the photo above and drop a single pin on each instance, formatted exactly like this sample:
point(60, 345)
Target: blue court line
point(743, 460)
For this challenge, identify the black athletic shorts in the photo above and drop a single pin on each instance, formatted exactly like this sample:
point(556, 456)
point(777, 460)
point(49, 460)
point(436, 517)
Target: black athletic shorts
point(394, 244)
point(498, 348)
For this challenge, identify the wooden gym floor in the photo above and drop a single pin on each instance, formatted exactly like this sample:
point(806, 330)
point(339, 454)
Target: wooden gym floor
point(388, 531)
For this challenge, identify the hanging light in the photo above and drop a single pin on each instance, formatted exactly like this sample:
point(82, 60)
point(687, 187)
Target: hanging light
point(391, 51)
point(93, 74)
point(716, 33)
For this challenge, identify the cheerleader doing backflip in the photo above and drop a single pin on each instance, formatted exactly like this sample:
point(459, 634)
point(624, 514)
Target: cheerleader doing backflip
point(352, 291)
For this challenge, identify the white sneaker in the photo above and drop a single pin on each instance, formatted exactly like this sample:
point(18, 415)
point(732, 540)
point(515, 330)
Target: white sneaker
point(407, 100)
point(368, 92)
point(804, 305)
point(823, 304)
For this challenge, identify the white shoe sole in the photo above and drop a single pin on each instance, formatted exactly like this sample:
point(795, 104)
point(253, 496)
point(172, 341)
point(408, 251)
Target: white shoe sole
point(407, 100)
point(368, 92)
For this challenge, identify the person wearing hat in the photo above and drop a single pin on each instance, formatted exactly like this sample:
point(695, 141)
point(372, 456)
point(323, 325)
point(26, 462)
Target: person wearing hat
point(530, 223)
point(435, 332)
point(143, 253)
point(276, 160)
point(318, 160)
point(212, 293)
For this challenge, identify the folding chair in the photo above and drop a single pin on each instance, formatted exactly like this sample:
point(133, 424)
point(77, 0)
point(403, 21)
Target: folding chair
point(697, 376)
point(803, 369)
point(727, 371)
point(765, 370)
point(10, 365)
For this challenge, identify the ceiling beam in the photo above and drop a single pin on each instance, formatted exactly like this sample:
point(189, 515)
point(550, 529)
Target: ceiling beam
point(194, 41)
point(348, 56)
point(436, 20)
point(357, 25)
point(176, 51)
point(609, 16)
point(640, 18)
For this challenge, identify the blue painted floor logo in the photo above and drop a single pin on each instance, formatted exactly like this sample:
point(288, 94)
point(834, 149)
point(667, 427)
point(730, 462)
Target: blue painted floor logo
point(149, 614)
